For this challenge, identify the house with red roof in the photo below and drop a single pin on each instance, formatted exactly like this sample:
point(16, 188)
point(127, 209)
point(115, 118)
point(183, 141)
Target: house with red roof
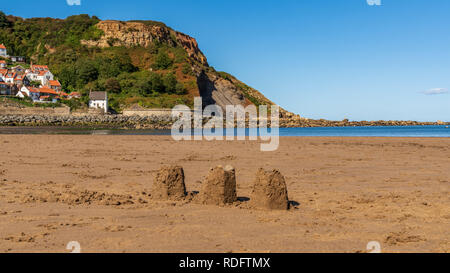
point(4, 88)
point(21, 79)
point(27, 90)
point(3, 73)
point(10, 77)
point(74, 95)
point(3, 52)
point(3, 64)
point(7, 88)
point(37, 68)
point(55, 85)
point(40, 73)
point(45, 91)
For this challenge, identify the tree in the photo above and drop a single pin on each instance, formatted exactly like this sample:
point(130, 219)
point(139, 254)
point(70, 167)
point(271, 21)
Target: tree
point(187, 69)
point(180, 89)
point(4, 22)
point(87, 72)
point(112, 85)
point(170, 83)
point(163, 61)
point(157, 83)
point(143, 87)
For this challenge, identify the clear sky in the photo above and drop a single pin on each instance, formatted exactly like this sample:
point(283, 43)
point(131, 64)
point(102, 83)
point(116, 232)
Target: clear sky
point(330, 59)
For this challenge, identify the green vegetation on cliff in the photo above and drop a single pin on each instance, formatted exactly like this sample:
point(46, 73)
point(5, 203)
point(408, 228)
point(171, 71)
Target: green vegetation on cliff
point(160, 74)
point(57, 43)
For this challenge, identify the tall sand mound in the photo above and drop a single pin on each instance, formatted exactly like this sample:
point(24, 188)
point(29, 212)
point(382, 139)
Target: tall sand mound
point(169, 184)
point(270, 191)
point(219, 187)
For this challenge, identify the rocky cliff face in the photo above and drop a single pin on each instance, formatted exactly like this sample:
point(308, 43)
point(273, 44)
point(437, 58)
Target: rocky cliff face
point(215, 90)
point(117, 33)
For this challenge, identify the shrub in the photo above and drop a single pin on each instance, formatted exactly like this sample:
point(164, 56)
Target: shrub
point(170, 83)
point(187, 69)
point(163, 61)
point(112, 85)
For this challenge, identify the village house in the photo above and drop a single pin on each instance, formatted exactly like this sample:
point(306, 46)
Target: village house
point(46, 91)
point(63, 95)
point(3, 52)
point(4, 87)
point(44, 77)
point(16, 81)
point(39, 73)
point(38, 94)
point(2, 64)
point(55, 85)
point(3, 73)
point(9, 77)
point(28, 91)
point(7, 88)
point(98, 100)
point(21, 80)
point(74, 95)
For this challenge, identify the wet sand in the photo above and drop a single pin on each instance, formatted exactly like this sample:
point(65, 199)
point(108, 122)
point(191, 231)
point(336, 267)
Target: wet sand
point(345, 193)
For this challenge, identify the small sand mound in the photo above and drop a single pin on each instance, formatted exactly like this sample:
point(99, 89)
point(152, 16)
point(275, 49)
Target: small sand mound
point(169, 184)
point(270, 191)
point(219, 187)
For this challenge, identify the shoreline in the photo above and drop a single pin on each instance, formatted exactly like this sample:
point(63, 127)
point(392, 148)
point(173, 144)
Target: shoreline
point(165, 122)
point(411, 132)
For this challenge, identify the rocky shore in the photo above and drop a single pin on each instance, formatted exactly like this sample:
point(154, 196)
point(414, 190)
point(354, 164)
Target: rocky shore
point(103, 121)
point(291, 123)
point(165, 122)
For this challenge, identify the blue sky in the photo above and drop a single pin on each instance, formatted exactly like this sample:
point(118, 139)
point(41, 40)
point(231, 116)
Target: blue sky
point(330, 59)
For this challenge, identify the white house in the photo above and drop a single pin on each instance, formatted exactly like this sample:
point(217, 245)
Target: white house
point(44, 77)
point(31, 75)
point(3, 52)
point(39, 73)
point(98, 100)
point(2, 64)
point(28, 91)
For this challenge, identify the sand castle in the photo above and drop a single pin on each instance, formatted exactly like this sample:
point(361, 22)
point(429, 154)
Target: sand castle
point(219, 187)
point(169, 184)
point(270, 191)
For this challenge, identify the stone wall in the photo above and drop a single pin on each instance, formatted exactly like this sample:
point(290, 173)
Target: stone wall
point(27, 111)
point(148, 112)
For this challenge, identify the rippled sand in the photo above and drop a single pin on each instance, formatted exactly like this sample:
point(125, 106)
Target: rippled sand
point(345, 191)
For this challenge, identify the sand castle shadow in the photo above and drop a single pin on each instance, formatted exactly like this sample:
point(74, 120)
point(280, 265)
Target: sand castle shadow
point(243, 199)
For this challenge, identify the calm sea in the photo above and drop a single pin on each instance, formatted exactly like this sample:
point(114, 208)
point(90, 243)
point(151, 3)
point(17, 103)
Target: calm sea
point(382, 131)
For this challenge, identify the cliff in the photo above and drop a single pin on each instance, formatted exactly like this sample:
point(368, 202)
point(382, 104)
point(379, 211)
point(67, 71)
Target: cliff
point(129, 34)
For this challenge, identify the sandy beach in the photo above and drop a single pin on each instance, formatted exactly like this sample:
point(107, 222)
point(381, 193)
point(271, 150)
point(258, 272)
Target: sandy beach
point(345, 192)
